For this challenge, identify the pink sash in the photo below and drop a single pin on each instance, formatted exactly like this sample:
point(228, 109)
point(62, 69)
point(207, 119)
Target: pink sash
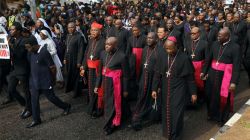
point(198, 68)
point(138, 56)
point(116, 76)
point(228, 70)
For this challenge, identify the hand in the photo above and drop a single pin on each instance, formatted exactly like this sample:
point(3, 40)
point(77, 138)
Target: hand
point(64, 62)
point(193, 99)
point(154, 94)
point(203, 76)
point(125, 94)
point(232, 87)
point(82, 72)
point(96, 90)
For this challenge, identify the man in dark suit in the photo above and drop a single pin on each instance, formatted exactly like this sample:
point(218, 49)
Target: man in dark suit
point(42, 79)
point(20, 69)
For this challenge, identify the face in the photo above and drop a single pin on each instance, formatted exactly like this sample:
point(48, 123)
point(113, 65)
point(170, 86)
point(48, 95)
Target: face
point(39, 23)
point(177, 20)
point(222, 38)
point(109, 20)
point(118, 24)
point(170, 24)
point(161, 33)
point(108, 46)
point(170, 47)
point(136, 31)
point(195, 34)
point(71, 28)
point(13, 31)
point(236, 18)
point(207, 27)
point(220, 16)
point(229, 17)
point(150, 39)
point(43, 37)
point(94, 32)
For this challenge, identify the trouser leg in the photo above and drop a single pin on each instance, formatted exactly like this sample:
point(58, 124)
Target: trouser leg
point(35, 104)
point(50, 95)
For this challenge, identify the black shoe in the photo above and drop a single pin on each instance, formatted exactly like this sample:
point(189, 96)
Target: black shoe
point(6, 102)
point(25, 115)
point(67, 110)
point(137, 127)
point(110, 130)
point(33, 124)
point(209, 118)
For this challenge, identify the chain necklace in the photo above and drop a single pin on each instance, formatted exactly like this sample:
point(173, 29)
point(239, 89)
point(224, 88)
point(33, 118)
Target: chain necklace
point(169, 68)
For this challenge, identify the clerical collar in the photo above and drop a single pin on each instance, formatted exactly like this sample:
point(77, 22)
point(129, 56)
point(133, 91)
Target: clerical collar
point(196, 39)
point(226, 42)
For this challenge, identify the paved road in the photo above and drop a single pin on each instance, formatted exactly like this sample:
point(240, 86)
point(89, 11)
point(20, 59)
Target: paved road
point(78, 125)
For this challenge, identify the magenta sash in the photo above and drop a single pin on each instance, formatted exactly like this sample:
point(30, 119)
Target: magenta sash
point(138, 56)
point(116, 76)
point(198, 68)
point(224, 92)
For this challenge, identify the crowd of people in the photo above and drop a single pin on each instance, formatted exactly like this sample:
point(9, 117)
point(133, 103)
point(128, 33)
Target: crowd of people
point(145, 62)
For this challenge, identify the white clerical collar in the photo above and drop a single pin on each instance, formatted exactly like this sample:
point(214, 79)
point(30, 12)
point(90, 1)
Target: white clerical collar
point(39, 49)
point(226, 42)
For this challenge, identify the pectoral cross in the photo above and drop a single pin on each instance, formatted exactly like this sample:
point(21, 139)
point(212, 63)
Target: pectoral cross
point(145, 65)
point(104, 70)
point(217, 63)
point(193, 55)
point(168, 73)
point(91, 57)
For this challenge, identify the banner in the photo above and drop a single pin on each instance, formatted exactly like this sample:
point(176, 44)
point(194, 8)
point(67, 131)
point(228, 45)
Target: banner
point(4, 47)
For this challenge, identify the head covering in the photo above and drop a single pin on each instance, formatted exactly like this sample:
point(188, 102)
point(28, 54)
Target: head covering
point(60, 27)
point(44, 22)
point(172, 38)
point(96, 25)
point(3, 21)
point(46, 25)
point(46, 33)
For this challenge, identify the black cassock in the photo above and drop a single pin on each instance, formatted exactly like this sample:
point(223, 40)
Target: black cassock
point(113, 61)
point(137, 44)
point(227, 54)
point(145, 101)
point(75, 48)
point(209, 36)
point(109, 31)
point(197, 51)
point(174, 89)
point(122, 35)
point(92, 55)
point(246, 53)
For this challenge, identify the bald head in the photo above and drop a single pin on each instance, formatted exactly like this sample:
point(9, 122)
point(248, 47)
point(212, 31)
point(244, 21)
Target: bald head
point(111, 44)
point(109, 20)
point(71, 27)
point(224, 35)
point(151, 39)
point(118, 23)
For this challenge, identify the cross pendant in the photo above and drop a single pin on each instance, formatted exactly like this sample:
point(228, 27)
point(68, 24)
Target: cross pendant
point(145, 65)
point(193, 55)
point(104, 70)
point(91, 57)
point(217, 63)
point(168, 73)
